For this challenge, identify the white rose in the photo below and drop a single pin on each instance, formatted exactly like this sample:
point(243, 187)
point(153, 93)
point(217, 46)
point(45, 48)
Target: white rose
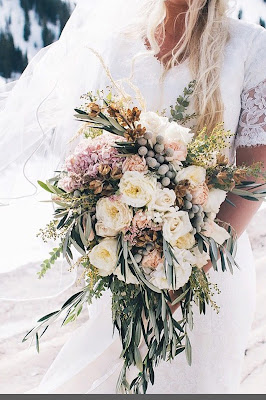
point(185, 242)
point(103, 231)
point(158, 278)
point(130, 278)
point(104, 256)
point(196, 175)
point(215, 198)
point(177, 133)
point(137, 189)
point(163, 200)
point(176, 224)
point(112, 215)
point(153, 123)
point(216, 232)
point(183, 266)
point(201, 258)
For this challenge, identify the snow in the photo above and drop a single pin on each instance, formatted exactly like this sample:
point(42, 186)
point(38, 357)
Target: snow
point(252, 9)
point(12, 17)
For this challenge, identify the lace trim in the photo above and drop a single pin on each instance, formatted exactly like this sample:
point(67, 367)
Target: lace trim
point(252, 123)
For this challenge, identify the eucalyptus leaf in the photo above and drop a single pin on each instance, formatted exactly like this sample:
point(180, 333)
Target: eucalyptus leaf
point(188, 351)
point(138, 359)
point(77, 247)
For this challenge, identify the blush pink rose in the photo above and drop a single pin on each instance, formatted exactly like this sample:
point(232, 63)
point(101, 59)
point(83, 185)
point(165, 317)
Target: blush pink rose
point(200, 194)
point(134, 163)
point(140, 221)
point(180, 151)
point(152, 260)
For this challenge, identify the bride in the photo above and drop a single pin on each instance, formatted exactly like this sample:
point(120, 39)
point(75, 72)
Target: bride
point(159, 47)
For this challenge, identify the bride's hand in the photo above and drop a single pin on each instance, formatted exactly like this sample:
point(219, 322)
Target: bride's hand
point(174, 294)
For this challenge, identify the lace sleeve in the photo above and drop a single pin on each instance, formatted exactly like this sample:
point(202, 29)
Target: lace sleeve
point(252, 123)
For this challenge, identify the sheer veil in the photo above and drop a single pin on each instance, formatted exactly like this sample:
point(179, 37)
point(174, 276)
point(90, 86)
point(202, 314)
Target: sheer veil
point(36, 118)
point(36, 125)
point(36, 113)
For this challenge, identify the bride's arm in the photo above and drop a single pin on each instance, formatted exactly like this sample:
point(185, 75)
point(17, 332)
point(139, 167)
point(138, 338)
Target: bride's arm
point(240, 216)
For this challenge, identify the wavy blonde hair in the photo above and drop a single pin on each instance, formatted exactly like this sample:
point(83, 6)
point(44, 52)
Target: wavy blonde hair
point(203, 43)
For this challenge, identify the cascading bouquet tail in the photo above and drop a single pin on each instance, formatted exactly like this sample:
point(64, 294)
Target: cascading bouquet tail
point(136, 207)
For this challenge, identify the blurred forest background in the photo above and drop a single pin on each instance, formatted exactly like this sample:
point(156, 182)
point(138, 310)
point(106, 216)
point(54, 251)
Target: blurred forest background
point(28, 25)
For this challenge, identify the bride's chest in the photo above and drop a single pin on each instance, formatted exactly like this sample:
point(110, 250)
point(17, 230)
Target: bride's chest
point(161, 93)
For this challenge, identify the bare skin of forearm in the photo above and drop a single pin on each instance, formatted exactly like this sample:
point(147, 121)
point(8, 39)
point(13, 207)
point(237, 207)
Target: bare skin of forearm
point(240, 216)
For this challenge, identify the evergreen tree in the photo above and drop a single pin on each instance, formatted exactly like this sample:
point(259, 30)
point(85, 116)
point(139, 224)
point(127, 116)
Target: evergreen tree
point(11, 58)
point(56, 12)
point(262, 22)
point(27, 27)
point(47, 35)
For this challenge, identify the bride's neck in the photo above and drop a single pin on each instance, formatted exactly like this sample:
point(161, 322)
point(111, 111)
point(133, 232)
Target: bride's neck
point(175, 17)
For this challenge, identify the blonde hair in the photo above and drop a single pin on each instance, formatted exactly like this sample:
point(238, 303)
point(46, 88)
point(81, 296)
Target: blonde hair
point(203, 43)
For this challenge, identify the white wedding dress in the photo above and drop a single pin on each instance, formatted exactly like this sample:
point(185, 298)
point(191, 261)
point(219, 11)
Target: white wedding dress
point(89, 362)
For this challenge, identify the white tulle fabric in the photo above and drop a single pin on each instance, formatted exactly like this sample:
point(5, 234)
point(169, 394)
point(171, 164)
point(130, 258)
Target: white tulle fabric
point(35, 133)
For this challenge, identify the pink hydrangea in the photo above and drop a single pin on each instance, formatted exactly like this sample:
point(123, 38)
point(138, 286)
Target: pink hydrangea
point(84, 163)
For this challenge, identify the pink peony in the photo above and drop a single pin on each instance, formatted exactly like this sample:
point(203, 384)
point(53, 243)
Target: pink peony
point(134, 163)
point(152, 260)
point(140, 221)
point(180, 151)
point(200, 194)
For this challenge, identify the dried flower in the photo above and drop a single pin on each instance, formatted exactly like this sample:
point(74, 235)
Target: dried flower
point(132, 134)
point(93, 110)
point(104, 169)
point(221, 159)
point(96, 186)
point(133, 115)
point(180, 191)
point(239, 176)
point(116, 173)
point(146, 237)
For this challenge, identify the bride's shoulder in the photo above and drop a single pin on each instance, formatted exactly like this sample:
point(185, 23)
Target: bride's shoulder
point(248, 43)
point(246, 33)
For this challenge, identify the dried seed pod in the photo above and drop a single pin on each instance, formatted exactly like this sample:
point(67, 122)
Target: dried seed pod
point(93, 110)
point(160, 139)
point(104, 169)
point(151, 153)
point(163, 169)
point(159, 148)
point(148, 135)
point(142, 141)
point(166, 181)
point(169, 152)
point(116, 173)
point(142, 151)
point(96, 186)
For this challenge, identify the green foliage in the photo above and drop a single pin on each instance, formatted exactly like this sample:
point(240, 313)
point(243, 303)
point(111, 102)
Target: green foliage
point(47, 264)
point(179, 112)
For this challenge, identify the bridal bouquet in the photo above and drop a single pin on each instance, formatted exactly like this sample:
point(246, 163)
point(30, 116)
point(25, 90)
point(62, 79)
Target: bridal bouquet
point(137, 201)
